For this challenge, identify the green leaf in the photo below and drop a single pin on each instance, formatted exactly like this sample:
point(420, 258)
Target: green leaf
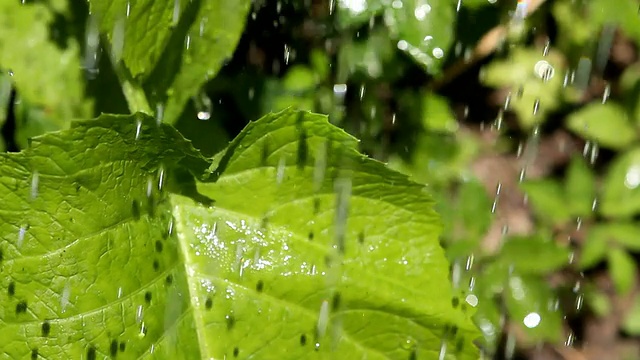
point(621, 188)
point(137, 30)
point(473, 209)
point(607, 124)
point(110, 244)
point(437, 115)
point(624, 14)
point(624, 234)
point(533, 255)
point(595, 247)
point(528, 302)
point(523, 73)
point(46, 76)
point(580, 187)
point(295, 163)
point(622, 268)
point(357, 13)
point(203, 40)
point(547, 199)
point(631, 321)
point(423, 30)
point(598, 301)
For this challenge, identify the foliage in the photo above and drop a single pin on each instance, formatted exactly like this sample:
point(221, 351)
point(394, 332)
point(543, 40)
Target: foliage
point(408, 79)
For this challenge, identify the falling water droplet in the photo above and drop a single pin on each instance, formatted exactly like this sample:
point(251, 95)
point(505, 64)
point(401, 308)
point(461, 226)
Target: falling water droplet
point(443, 350)
point(139, 314)
point(203, 106)
point(176, 12)
point(64, 298)
point(21, 233)
point(323, 320)
point(35, 183)
point(92, 46)
point(282, 163)
point(117, 40)
point(138, 128)
point(287, 54)
point(159, 113)
point(161, 176)
point(496, 198)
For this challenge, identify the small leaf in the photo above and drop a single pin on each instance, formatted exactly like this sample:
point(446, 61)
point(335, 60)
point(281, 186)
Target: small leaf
point(529, 301)
point(622, 269)
point(598, 302)
point(547, 199)
point(631, 321)
point(621, 188)
point(474, 209)
point(524, 70)
point(138, 30)
point(594, 249)
point(48, 77)
point(423, 30)
point(624, 14)
point(580, 188)
point(624, 234)
point(533, 255)
point(437, 115)
point(607, 124)
point(205, 37)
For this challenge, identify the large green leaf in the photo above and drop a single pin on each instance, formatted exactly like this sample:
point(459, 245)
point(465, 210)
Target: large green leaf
point(108, 249)
point(45, 75)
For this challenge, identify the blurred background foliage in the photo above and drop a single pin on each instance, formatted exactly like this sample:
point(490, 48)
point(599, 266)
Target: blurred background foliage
point(526, 132)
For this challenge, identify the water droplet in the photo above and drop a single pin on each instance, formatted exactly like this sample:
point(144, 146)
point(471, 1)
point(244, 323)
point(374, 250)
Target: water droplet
point(117, 40)
point(92, 47)
point(532, 320)
point(35, 182)
point(421, 11)
point(176, 12)
point(323, 319)
point(64, 298)
point(21, 233)
point(161, 177)
point(139, 314)
point(203, 106)
point(159, 113)
point(138, 128)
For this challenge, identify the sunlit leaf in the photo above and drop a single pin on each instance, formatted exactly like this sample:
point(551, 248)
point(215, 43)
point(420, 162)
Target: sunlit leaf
point(622, 268)
point(111, 247)
point(631, 321)
point(595, 247)
point(621, 188)
point(533, 255)
point(423, 30)
point(580, 187)
point(607, 124)
point(624, 14)
point(530, 303)
point(437, 115)
point(547, 198)
point(535, 82)
point(48, 77)
point(138, 31)
point(205, 37)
